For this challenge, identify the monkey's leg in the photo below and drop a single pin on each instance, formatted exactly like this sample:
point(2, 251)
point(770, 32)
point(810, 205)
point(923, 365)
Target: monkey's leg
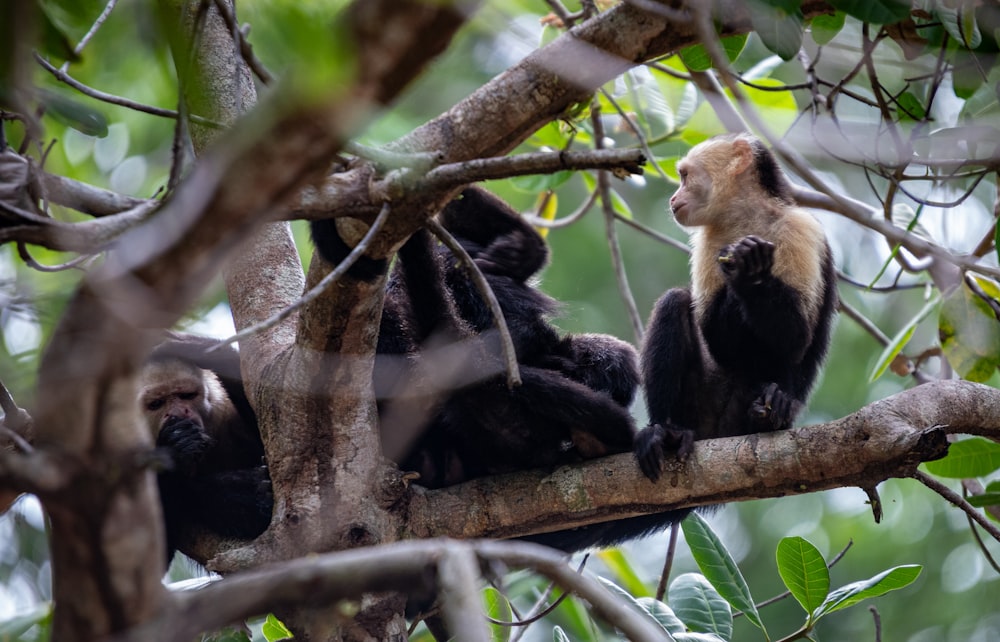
point(603, 363)
point(671, 357)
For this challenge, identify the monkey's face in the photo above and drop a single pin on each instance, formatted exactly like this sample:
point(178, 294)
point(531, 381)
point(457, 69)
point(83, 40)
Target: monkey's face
point(172, 391)
point(690, 201)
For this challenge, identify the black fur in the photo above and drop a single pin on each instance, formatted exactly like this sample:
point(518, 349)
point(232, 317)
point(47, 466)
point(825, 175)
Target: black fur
point(333, 249)
point(217, 483)
point(576, 389)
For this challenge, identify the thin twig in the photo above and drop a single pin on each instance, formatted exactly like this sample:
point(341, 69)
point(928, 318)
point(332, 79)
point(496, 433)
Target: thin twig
point(319, 288)
point(604, 188)
point(668, 561)
point(22, 251)
point(246, 49)
point(483, 169)
point(959, 502)
point(565, 221)
point(96, 94)
point(108, 8)
point(968, 488)
point(506, 342)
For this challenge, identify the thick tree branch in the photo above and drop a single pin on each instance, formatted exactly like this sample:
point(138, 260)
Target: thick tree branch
point(403, 566)
point(885, 439)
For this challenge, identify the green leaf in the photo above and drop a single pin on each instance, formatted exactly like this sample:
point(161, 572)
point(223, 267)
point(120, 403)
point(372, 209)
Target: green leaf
point(696, 57)
point(970, 333)
point(73, 113)
point(496, 606)
point(900, 340)
point(618, 564)
point(777, 108)
point(882, 12)
point(719, 567)
point(825, 28)
point(973, 457)
point(779, 29)
point(663, 615)
point(274, 629)
point(804, 571)
point(910, 107)
point(849, 595)
point(699, 605)
point(984, 500)
point(960, 23)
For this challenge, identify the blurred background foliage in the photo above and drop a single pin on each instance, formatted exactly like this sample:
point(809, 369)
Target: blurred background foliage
point(954, 599)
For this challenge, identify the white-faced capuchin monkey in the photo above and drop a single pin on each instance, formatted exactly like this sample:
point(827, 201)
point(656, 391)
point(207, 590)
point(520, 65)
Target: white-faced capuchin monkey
point(739, 351)
point(203, 425)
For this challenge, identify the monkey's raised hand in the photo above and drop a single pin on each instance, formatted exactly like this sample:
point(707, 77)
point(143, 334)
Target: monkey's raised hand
point(656, 441)
point(748, 260)
point(186, 443)
point(774, 409)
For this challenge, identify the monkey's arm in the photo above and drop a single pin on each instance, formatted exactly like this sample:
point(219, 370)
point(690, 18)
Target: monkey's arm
point(333, 249)
point(756, 324)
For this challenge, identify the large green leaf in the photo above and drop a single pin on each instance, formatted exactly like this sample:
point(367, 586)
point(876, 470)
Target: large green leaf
point(497, 606)
point(960, 23)
point(696, 57)
point(973, 457)
point(849, 595)
point(804, 571)
point(719, 567)
point(663, 614)
point(970, 332)
point(825, 28)
point(699, 606)
point(779, 28)
point(882, 12)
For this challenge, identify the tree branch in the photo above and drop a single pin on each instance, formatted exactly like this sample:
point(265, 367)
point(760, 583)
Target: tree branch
point(403, 566)
point(888, 438)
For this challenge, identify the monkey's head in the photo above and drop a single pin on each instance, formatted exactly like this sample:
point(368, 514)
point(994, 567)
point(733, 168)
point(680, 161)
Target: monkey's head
point(723, 171)
point(173, 390)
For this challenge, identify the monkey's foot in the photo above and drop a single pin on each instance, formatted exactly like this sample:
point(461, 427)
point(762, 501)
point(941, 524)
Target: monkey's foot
point(748, 260)
point(774, 409)
point(654, 443)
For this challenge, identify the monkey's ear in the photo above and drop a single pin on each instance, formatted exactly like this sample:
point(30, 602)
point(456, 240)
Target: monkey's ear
point(742, 156)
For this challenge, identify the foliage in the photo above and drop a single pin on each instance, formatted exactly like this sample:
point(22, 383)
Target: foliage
point(914, 132)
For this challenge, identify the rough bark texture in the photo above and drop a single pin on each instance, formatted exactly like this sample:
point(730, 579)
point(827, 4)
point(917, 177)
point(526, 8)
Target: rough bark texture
point(886, 439)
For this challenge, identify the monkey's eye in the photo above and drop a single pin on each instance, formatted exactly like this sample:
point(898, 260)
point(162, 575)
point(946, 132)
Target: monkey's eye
point(188, 396)
point(155, 404)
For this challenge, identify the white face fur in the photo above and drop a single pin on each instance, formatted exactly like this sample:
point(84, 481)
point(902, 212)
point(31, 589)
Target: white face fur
point(173, 389)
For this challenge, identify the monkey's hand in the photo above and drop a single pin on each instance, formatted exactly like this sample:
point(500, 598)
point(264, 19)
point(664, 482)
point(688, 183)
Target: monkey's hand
point(748, 260)
point(653, 444)
point(185, 442)
point(774, 409)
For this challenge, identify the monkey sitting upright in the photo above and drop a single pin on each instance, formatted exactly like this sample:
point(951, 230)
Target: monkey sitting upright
point(739, 352)
point(200, 419)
